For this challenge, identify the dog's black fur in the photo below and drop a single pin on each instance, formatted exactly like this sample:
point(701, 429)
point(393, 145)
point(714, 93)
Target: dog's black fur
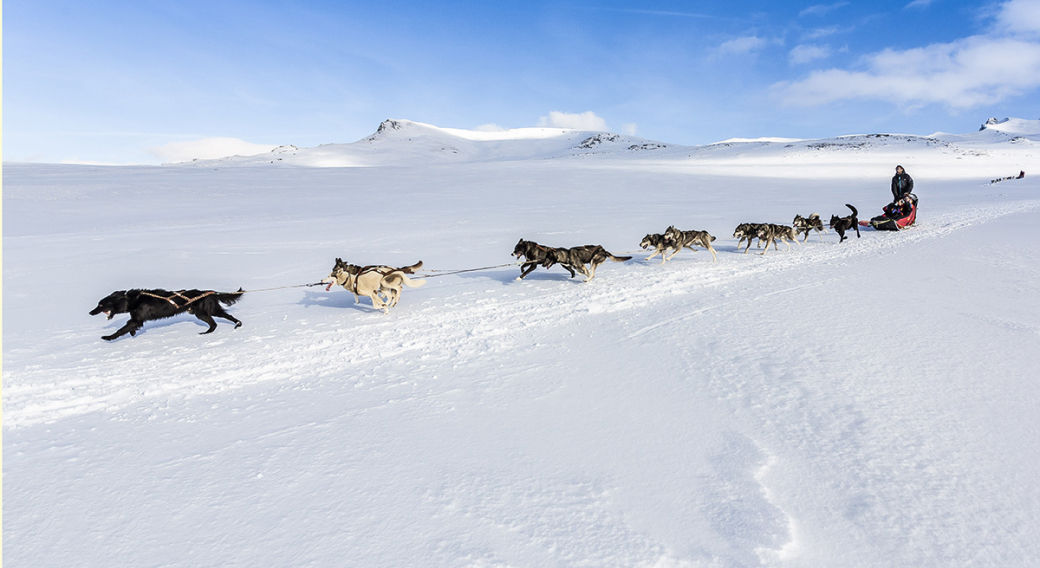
point(143, 305)
point(842, 224)
point(578, 257)
point(535, 254)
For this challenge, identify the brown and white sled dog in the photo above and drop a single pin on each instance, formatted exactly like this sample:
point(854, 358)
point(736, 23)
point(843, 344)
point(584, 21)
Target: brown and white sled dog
point(808, 224)
point(578, 257)
point(660, 243)
point(686, 239)
point(383, 284)
point(770, 233)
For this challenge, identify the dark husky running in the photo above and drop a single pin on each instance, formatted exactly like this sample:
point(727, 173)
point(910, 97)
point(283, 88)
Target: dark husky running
point(578, 257)
point(534, 254)
point(146, 305)
point(842, 224)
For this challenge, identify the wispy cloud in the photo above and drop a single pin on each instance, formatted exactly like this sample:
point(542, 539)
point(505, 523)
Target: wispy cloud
point(669, 14)
point(207, 149)
point(803, 54)
point(578, 121)
point(919, 4)
point(742, 45)
point(821, 9)
point(818, 33)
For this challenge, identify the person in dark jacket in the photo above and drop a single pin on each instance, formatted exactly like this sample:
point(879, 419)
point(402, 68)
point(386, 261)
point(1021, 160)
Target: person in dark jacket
point(902, 184)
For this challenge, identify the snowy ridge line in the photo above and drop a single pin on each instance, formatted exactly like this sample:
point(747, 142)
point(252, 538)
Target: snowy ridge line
point(114, 377)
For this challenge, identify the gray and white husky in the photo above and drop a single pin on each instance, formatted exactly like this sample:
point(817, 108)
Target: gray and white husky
point(686, 239)
point(748, 232)
point(770, 233)
point(807, 224)
point(660, 243)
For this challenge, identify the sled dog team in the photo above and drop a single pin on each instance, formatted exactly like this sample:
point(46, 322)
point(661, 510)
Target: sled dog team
point(383, 284)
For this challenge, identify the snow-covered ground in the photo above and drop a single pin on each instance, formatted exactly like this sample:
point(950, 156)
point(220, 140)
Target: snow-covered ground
point(869, 403)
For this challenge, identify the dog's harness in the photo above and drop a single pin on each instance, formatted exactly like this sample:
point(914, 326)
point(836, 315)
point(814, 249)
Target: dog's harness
point(374, 268)
point(383, 270)
point(187, 301)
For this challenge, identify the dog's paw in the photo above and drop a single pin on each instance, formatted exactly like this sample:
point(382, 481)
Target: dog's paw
point(108, 337)
point(238, 325)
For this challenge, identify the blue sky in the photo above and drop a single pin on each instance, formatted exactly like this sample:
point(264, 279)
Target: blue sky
point(139, 81)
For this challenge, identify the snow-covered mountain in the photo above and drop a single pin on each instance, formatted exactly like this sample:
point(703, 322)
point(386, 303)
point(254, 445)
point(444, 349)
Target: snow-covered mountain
point(404, 142)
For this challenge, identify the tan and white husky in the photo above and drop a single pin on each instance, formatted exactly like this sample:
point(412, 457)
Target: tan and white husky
point(383, 284)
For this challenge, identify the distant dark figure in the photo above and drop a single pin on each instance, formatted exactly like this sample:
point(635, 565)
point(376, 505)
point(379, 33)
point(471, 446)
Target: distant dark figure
point(1021, 174)
point(902, 184)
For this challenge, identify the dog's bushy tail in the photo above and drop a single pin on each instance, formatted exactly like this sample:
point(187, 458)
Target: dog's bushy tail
point(395, 277)
point(411, 269)
point(854, 212)
point(230, 298)
point(619, 258)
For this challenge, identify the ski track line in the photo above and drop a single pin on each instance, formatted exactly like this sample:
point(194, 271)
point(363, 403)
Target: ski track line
point(112, 377)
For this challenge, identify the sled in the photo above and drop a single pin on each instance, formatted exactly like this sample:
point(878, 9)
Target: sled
point(890, 223)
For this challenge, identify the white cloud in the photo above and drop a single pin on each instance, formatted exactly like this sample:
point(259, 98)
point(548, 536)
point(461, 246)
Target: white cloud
point(208, 149)
point(630, 129)
point(584, 121)
point(822, 9)
point(820, 32)
point(962, 74)
point(919, 4)
point(741, 45)
point(803, 54)
point(1020, 16)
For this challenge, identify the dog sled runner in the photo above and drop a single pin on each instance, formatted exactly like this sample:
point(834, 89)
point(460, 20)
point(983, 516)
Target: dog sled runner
point(892, 221)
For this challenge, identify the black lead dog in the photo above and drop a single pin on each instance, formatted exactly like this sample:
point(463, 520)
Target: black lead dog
point(146, 305)
point(535, 254)
point(842, 224)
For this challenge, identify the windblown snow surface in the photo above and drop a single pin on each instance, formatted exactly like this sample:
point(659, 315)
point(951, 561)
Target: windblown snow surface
point(868, 403)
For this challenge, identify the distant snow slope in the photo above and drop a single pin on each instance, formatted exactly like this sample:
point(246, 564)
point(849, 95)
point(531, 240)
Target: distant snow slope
point(869, 403)
point(403, 142)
